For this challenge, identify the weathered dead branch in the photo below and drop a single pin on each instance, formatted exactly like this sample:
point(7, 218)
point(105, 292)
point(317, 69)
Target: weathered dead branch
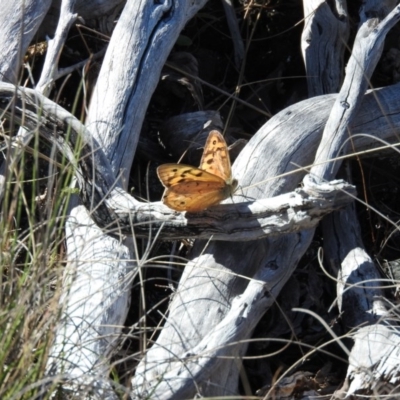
point(373, 359)
point(228, 285)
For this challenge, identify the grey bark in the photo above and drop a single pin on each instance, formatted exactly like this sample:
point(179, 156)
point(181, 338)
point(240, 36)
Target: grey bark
point(128, 77)
point(20, 21)
point(226, 287)
point(373, 360)
point(215, 278)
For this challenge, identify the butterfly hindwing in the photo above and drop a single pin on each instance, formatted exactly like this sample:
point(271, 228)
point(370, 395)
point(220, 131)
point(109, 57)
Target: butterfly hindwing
point(194, 196)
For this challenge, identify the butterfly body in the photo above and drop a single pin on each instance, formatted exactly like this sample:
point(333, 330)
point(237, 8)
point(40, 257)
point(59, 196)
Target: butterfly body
point(194, 189)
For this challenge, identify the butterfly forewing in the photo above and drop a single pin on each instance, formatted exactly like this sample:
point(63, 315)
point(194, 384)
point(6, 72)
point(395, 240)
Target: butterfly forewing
point(215, 159)
point(174, 174)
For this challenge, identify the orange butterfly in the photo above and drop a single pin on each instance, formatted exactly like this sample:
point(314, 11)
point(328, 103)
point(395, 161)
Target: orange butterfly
point(194, 189)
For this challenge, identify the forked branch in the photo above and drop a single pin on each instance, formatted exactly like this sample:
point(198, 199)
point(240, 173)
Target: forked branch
point(116, 211)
